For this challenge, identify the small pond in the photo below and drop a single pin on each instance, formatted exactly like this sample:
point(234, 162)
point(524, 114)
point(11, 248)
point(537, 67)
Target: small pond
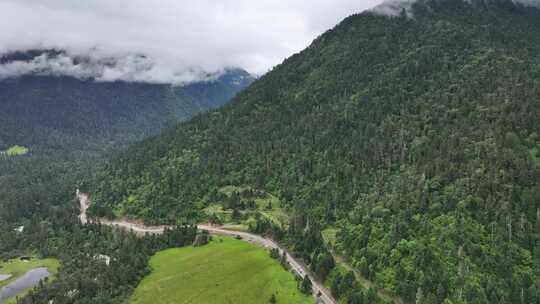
point(28, 280)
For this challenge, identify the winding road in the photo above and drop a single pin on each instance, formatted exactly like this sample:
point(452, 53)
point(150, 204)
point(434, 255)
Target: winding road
point(320, 293)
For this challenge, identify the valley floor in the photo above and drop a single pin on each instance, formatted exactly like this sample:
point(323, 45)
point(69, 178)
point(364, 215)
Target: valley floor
point(224, 271)
point(321, 294)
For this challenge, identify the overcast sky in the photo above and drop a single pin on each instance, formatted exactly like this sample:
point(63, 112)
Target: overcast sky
point(180, 40)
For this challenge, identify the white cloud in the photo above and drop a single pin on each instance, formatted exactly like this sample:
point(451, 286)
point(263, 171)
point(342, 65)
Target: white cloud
point(163, 40)
point(130, 67)
point(394, 7)
point(169, 41)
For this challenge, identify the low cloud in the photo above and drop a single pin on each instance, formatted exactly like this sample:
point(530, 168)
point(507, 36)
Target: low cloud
point(396, 7)
point(131, 68)
point(163, 41)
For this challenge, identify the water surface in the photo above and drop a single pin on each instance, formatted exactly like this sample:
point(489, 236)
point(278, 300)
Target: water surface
point(28, 280)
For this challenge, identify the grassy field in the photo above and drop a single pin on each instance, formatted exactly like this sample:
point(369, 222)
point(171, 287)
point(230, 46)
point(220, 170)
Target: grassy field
point(329, 235)
point(268, 206)
point(274, 214)
point(18, 268)
point(535, 156)
point(222, 272)
point(236, 227)
point(15, 151)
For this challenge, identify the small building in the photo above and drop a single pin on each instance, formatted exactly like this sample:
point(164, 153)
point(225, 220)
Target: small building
point(104, 258)
point(26, 258)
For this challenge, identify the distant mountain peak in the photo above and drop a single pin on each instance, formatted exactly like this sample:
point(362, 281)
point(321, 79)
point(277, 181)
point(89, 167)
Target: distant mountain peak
point(394, 7)
point(422, 133)
point(399, 7)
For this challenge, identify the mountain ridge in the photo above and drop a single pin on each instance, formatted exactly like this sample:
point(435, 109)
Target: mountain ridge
point(60, 111)
point(406, 7)
point(416, 139)
point(66, 126)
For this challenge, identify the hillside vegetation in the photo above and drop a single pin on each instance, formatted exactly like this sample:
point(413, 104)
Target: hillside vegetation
point(65, 113)
point(14, 151)
point(55, 129)
point(411, 137)
point(84, 274)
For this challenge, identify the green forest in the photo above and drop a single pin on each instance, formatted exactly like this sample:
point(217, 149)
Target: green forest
point(416, 139)
point(55, 131)
point(64, 113)
point(398, 157)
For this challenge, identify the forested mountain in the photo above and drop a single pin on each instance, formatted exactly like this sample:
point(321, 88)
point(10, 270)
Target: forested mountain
point(68, 123)
point(48, 111)
point(416, 137)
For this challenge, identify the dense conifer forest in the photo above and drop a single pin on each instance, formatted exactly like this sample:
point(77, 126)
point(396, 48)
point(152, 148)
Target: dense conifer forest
point(66, 127)
point(66, 113)
point(98, 264)
point(416, 138)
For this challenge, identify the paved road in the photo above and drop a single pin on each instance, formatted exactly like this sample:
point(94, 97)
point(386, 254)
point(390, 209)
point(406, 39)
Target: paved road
point(321, 294)
point(297, 267)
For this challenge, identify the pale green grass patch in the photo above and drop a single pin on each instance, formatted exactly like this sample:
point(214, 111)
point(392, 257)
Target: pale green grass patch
point(15, 151)
point(222, 272)
point(535, 156)
point(236, 227)
point(275, 214)
point(268, 206)
point(329, 235)
point(225, 216)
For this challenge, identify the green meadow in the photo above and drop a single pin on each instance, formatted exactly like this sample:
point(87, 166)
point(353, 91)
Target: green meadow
point(330, 235)
point(535, 155)
point(267, 206)
point(222, 272)
point(15, 151)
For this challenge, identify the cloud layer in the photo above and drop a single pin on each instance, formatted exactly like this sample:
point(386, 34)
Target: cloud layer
point(165, 41)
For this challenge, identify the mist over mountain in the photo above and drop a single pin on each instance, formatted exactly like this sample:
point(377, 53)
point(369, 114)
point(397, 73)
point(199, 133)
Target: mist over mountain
point(67, 121)
point(395, 160)
point(415, 140)
point(68, 105)
point(166, 41)
point(397, 7)
point(128, 68)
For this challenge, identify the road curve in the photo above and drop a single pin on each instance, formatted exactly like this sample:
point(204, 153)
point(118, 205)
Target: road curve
point(320, 293)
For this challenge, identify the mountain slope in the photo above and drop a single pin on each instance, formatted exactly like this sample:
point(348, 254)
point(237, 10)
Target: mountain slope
point(67, 123)
point(417, 138)
point(64, 112)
